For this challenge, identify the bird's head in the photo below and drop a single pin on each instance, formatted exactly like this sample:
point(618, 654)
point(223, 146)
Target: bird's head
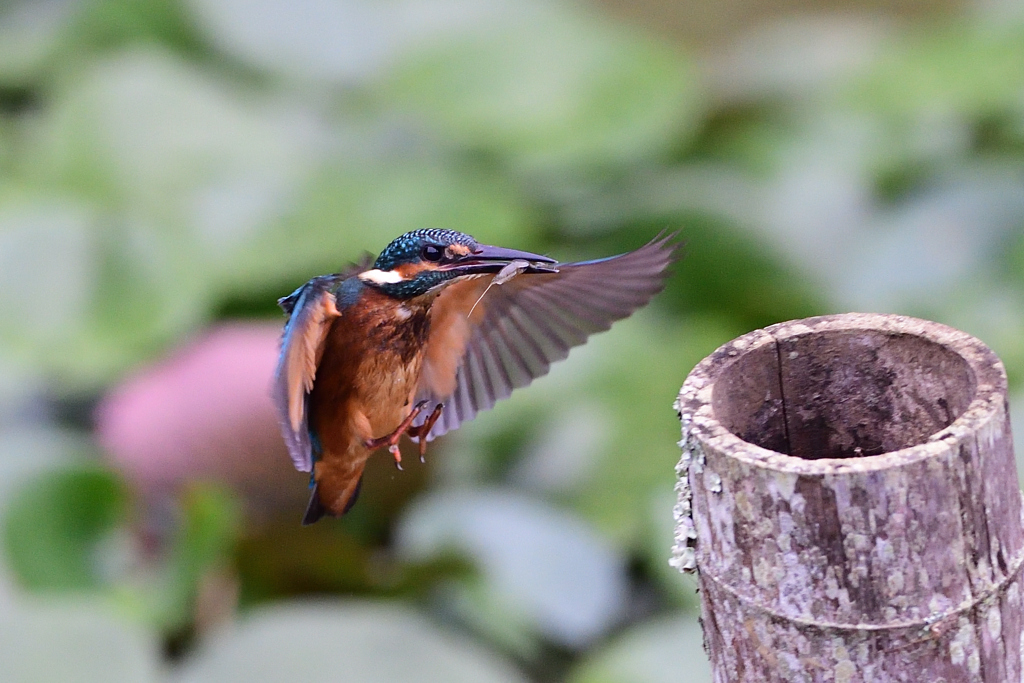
point(424, 261)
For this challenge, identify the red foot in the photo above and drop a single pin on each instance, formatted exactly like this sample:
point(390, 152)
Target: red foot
point(424, 429)
point(391, 440)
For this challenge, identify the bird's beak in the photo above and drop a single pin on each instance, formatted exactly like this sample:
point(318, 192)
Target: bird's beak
point(488, 259)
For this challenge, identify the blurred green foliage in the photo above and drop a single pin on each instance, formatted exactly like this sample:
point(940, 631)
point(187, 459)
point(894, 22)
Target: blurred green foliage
point(204, 542)
point(970, 70)
point(553, 91)
point(59, 527)
point(165, 165)
point(54, 526)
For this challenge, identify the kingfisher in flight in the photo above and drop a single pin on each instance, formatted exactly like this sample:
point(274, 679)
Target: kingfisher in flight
point(437, 329)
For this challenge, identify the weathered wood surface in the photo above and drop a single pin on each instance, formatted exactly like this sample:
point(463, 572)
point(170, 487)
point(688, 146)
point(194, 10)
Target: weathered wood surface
point(849, 496)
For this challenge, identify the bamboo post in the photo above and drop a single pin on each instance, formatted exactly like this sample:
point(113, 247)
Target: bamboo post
point(849, 498)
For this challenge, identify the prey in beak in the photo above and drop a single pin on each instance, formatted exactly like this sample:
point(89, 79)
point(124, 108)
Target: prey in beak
point(485, 259)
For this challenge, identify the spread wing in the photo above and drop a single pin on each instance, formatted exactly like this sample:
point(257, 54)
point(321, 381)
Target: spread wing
point(312, 308)
point(520, 327)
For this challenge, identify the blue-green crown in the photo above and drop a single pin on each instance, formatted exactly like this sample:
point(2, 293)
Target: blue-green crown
point(408, 247)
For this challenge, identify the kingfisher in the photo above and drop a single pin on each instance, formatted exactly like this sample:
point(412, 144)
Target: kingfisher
point(435, 330)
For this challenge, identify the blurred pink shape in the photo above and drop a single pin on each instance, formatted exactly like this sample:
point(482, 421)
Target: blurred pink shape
point(205, 414)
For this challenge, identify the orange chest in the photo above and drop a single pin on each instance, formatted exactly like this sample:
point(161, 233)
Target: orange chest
point(371, 363)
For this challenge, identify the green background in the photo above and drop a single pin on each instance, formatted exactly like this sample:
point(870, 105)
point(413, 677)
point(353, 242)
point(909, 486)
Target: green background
point(169, 168)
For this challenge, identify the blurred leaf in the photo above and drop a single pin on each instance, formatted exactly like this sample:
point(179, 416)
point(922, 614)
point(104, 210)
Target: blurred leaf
point(729, 272)
point(79, 302)
point(637, 371)
point(55, 523)
point(283, 560)
point(6, 142)
point(559, 459)
point(105, 25)
point(53, 40)
point(542, 570)
point(226, 195)
point(548, 86)
point(666, 650)
point(789, 57)
point(74, 641)
point(174, 176)
point(319, 40)
point(1010, 257)
point(36, 238)
point(27, 451)
point(357, 642)
point(900, 176)
point(937, 96)
point(630, 376)
point(1001, 133)
point(725, 271)
point(733, 266)
point(146, 131)
point(366, 202)
point(30, 33)
point(936, 251)
point(748, 137)
point(288, 560)
point(203, 543)
point(962, 69)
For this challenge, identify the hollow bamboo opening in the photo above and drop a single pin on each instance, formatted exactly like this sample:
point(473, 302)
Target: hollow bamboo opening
point(843, 394)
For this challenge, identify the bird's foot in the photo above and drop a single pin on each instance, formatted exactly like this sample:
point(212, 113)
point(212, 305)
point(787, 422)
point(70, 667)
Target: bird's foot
point(424, 429)
point(391, 440)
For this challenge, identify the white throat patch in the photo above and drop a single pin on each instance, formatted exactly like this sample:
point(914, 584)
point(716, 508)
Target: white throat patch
point(381, 277)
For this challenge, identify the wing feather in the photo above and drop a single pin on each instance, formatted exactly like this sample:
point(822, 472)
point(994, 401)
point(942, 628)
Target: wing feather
point(522, 326)
point(313, 308)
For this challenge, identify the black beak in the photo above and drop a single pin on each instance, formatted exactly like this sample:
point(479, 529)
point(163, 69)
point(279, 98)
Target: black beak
point(488, 259)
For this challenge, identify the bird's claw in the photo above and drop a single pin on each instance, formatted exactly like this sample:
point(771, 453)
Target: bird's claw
point(423, 430)
point(391, 440)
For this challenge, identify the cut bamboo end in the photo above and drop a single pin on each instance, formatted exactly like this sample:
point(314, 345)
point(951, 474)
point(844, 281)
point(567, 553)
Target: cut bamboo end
point(848, 495)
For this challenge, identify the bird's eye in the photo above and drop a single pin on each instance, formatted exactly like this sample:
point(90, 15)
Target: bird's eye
point(432, 253)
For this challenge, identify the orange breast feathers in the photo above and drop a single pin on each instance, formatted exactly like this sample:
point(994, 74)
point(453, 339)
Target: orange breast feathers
point(451, 325)
point(368, 374)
